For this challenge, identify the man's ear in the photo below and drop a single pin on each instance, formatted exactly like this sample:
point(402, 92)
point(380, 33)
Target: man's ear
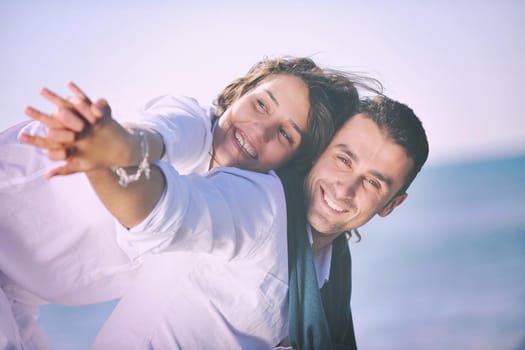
point(397, 200)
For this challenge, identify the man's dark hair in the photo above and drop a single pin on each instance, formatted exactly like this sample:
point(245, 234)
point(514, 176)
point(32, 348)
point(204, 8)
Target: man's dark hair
point(403, 126)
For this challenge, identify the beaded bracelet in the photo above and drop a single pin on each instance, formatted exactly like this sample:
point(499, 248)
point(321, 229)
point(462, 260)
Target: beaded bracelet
point(124, 178)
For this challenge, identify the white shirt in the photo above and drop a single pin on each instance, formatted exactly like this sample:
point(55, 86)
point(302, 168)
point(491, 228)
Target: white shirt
point(9, 335)
point(221, 280)
point(322, 259)
point(57, 239)
point(59, 242)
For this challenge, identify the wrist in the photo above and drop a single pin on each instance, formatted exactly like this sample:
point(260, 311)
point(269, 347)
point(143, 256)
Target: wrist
point(142, 166)
point(133, 154)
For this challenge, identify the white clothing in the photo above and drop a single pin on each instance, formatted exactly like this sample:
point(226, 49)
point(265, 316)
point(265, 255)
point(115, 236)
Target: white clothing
point(221, 281)
point(185, 128)
point(322, 258)
point(53, 245)
point(9, 335)
point(22, 310)
point(57, 240)
point(57, 246)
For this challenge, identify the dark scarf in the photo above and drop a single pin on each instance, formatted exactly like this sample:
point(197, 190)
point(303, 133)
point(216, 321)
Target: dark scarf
point(318, 319)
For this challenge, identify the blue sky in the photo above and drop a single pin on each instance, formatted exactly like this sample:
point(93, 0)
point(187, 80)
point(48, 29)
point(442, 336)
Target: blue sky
point(457, 63)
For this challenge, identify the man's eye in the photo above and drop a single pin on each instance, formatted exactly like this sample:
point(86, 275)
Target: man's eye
point(286, 136)
point(374, 183)
point(343, 160)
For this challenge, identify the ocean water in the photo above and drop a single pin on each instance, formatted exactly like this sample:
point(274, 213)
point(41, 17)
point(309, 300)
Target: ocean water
point(446, 270)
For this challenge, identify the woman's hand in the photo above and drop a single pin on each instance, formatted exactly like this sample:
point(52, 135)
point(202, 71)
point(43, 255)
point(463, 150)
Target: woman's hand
point(83, 134)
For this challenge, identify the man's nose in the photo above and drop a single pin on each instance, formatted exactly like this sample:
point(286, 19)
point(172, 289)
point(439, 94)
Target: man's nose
point(346, 187)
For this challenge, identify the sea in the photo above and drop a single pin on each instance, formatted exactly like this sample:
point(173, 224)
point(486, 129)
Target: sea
point(445, 270)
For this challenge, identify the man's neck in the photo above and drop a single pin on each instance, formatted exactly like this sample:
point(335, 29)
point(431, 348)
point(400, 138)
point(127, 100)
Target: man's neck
point(321, 240)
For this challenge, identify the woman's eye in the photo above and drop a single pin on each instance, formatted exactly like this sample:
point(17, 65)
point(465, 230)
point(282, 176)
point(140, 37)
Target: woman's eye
point(262, 105)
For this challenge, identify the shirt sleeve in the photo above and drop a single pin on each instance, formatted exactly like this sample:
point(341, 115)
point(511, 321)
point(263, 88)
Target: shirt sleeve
point(185, 128)
point(183, 124)
point(229, 212)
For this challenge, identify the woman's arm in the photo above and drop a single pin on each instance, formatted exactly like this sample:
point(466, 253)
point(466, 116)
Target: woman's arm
point(130, 205)
point(107, 144)
point(176, 129)
point(228, 212)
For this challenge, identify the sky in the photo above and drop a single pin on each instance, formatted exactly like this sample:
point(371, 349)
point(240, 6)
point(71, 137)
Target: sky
point(458, 64)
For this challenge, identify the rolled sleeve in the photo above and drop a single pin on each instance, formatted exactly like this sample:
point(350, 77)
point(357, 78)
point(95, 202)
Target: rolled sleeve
point(228, 212)
point(185, 129)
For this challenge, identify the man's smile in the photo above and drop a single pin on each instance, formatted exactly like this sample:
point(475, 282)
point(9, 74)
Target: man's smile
point(331, 204)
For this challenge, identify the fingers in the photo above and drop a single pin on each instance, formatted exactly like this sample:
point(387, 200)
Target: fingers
point(54, 98)
point(38, 141)
point(66, 169)
point(78, 92)
point(64, 117)
point(64, 128)
point(62, 102)
point(80, 102)
point(35, 114)
point(59, 153)
point(54, 172)
point(72, 119)
point(69, 119)
point(83, 104)
point(100, 108)
point(61, 135)
point(55, 151)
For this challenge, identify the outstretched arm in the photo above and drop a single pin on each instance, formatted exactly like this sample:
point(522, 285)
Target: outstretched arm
point(132, 204)
point(68, 124)
point(107, 144)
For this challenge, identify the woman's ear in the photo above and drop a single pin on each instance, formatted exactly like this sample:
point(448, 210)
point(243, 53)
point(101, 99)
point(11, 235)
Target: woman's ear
point(397, 200)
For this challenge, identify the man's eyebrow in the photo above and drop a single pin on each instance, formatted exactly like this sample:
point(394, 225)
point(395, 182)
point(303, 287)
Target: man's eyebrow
point(296, 127)
point(384, 179)
point(343, 148)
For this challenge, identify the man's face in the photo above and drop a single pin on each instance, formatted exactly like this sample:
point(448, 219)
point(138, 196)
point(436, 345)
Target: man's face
point(355, 178)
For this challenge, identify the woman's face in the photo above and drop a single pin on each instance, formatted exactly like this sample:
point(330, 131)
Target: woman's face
point(264, 128)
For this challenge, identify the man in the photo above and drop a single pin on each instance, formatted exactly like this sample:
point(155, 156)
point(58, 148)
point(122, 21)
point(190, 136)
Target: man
point(366, 170)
